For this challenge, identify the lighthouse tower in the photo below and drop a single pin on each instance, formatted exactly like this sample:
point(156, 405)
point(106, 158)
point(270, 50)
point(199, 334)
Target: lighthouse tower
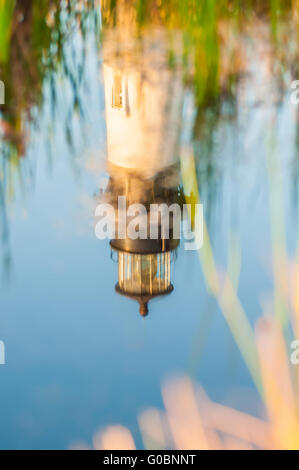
point(143, 98)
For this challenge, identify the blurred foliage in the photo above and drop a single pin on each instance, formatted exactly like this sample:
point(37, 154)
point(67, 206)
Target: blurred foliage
point(6, 16)
point(202, 24)
point(215, 34)
point(34, 33)
point(33, 39)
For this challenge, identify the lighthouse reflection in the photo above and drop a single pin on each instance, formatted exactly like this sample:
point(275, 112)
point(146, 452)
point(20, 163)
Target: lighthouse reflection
point(144, 264)
point(143, 110)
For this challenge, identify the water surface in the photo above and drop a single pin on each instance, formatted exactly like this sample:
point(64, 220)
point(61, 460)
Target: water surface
point(78, 355)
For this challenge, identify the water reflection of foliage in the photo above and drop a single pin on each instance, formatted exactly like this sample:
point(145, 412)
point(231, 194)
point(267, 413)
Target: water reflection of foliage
point(215, 37)
point(38, 32)
point(208, 28)
point(33, 42)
